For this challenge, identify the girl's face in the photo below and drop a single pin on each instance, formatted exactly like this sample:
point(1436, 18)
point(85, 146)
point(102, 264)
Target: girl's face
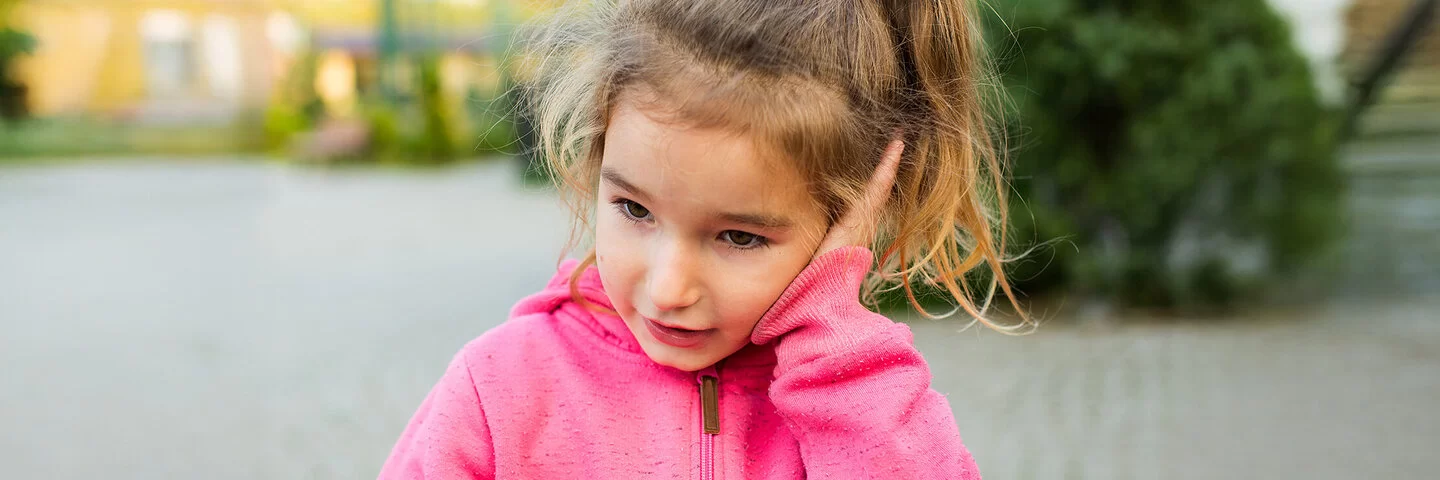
point(696, 235)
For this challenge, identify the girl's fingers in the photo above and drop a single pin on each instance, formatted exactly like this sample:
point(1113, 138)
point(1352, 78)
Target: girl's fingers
point(866, 211)
point(857, 226)
point(884, 179)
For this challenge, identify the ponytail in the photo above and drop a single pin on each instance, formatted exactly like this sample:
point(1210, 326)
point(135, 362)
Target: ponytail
point(955, 168)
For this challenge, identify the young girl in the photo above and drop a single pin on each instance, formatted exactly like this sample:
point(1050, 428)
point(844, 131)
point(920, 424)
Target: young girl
point(735, 161)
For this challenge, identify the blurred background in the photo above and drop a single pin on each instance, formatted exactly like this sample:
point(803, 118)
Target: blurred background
point(242, 238)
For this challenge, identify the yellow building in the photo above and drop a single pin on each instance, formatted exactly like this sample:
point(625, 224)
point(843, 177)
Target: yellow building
point(153, 59)
point(189, 59)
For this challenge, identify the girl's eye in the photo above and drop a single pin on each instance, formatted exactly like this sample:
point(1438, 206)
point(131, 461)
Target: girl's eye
point(742, 240)
point(634, 210)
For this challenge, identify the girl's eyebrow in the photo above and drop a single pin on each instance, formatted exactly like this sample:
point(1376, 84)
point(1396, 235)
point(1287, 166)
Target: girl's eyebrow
point(758, 220)
point(761, 220)
point(610, 175)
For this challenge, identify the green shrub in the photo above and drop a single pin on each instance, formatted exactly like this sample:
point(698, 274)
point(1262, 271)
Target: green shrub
point(13, 44)
point(282, 123)
point(385, 136)
point(1172, 152)
point(295, 107)
point(418, 130)
point(436, 142)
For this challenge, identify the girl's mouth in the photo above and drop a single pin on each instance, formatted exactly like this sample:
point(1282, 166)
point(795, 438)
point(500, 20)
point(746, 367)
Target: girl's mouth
point(676, 337)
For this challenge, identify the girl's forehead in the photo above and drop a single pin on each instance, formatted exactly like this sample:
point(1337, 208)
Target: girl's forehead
point(668, 144)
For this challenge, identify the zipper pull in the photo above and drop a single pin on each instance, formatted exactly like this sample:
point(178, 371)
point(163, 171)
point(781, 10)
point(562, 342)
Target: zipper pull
point(709, 380)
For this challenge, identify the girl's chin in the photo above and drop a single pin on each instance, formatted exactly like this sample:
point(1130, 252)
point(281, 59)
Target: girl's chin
point(680, 360)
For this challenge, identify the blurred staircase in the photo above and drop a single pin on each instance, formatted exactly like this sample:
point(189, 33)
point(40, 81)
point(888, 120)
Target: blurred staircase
point(1408, 103)
point(1393, 160)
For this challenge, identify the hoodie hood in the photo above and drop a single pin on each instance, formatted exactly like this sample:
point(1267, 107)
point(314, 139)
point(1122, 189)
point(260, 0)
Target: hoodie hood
point(599, 319)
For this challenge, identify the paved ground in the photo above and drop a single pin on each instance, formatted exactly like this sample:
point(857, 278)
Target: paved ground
point(1337, 393)
point(243, 320)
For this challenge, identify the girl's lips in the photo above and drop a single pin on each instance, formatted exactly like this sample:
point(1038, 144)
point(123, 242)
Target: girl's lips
point(676, 337)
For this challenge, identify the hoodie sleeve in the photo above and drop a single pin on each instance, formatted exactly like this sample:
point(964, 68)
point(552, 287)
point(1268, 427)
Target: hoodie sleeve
point(851, 385)
point(448, 438)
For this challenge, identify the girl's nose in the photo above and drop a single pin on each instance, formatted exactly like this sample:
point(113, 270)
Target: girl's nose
point(672, 282)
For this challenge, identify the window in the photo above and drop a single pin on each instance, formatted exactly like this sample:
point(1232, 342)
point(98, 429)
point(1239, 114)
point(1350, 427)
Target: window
point(169, 56)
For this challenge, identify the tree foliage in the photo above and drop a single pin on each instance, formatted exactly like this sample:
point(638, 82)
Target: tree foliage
point(1173, 152)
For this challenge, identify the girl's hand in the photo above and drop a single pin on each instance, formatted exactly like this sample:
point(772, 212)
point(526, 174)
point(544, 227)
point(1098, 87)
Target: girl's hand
point(857, 226)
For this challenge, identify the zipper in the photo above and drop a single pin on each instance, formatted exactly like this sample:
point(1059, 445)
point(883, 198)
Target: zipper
point(709, 380)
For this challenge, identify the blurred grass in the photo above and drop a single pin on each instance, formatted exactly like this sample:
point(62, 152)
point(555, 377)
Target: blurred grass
point(64, 137)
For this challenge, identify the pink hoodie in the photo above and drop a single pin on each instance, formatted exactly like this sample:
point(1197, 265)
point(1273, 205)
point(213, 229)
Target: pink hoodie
point(828, 389)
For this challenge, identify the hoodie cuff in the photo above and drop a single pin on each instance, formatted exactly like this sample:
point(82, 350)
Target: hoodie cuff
point(821, 307)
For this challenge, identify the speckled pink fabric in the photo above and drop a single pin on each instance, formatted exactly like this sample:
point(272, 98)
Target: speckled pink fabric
point(828, 389)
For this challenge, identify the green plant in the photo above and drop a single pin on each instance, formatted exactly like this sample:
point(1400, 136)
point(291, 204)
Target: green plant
point(13, 44)
point(281, 123)
point(1172, 152)
point(436, 142)
point(295, 107)
point(385, 135)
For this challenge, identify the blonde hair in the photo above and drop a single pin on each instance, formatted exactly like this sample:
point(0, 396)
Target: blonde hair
point(827, 83)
